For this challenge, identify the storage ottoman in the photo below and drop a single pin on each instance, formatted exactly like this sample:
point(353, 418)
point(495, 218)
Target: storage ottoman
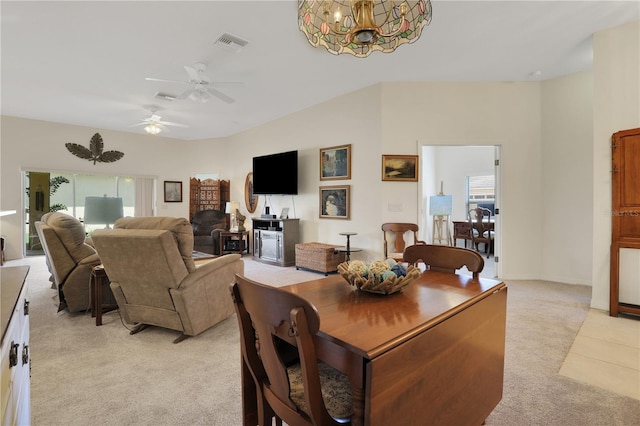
point(318, 257)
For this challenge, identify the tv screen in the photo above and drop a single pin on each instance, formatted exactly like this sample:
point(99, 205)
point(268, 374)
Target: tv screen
point(276, 174)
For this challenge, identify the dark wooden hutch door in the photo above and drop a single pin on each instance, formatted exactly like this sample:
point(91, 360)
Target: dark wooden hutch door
point(625, 210)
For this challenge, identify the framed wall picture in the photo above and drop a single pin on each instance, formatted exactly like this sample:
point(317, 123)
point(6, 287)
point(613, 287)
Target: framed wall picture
point(400, 168)
point(172, 191)
point(335, 162)
point(334, 202)
point(250, 199)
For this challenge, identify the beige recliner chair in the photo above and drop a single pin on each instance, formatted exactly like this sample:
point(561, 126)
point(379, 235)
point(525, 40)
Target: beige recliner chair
point(69, 258)
point(155, 280)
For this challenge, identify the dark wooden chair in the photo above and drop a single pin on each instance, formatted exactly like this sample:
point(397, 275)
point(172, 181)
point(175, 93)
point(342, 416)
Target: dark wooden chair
point(481, 229)
point(445, 258)
point(394, 239)
point(277, 336)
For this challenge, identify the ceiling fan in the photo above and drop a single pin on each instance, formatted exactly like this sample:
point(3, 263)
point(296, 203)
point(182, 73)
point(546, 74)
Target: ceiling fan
point(154, 124)
point(201, 87)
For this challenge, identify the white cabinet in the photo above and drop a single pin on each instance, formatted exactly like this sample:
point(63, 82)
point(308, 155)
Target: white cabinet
point(16, 359)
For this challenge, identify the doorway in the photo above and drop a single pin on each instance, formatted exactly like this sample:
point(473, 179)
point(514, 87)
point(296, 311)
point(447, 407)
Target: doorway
point(465, 173)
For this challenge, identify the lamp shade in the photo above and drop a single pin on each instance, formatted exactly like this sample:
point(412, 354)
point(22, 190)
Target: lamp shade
point(440, 205)
point(358, 27)
point(231, 206)
point(102, 210)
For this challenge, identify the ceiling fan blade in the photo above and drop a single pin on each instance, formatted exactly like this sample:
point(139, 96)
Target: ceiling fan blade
point(139, 124)
point(226, 83)
point(165, 81)
point(169, 123)
point(194, 76)
point(185, 94)
point(218, 94)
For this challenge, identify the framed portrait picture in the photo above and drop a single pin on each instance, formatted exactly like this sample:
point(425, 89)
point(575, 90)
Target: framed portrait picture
point(400, 168)
point(172, 191)
point(335, 162)
point(334, 202)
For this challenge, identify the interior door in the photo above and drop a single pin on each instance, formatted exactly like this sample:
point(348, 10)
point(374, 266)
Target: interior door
point(625, 213)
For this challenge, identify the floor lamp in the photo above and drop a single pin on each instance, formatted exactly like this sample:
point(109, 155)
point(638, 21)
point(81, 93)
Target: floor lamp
point(102, 210)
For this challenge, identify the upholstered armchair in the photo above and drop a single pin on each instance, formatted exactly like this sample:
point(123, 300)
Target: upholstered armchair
point(69, 259)
point(207, 225)
point(155, 280)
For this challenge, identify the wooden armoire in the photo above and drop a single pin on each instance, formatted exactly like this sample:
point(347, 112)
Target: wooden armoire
point(625, 210)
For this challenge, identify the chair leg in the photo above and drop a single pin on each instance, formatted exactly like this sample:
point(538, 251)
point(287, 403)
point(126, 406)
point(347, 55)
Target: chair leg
point(138, 328)
point(181, 338)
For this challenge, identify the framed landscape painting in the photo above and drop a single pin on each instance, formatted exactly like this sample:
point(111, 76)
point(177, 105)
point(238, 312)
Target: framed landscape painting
point(400, 168)
point(335, 162)
point(334, 202)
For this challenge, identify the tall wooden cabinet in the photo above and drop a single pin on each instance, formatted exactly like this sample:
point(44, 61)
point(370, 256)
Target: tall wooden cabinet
point(207, 194)
point(625, 211)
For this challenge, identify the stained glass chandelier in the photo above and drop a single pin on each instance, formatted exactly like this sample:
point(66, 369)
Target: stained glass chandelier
point(359, 27)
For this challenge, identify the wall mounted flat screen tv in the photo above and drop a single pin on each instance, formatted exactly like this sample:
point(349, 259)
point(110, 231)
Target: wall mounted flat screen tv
point(276, 174)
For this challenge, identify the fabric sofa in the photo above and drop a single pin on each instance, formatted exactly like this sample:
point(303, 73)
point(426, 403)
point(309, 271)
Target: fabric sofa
point(206, 226)
point(154, 277)
point(69, 259)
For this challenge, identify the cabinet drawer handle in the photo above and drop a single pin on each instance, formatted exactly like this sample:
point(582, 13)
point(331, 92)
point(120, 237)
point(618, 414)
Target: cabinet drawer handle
point(25, 354)
point(13, 354)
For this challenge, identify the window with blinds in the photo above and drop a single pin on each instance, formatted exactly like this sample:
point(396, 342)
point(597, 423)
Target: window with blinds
point(481, 192)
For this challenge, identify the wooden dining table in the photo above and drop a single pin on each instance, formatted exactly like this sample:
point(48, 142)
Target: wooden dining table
point(432, 353)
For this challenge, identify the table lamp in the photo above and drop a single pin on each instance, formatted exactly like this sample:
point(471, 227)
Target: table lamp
point(232, 208)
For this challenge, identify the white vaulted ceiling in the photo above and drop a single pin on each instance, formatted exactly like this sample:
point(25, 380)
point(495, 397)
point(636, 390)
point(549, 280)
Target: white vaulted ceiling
point(85, 62)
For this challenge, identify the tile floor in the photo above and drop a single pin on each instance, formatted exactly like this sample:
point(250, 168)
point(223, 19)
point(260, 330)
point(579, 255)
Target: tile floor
point(606, 353)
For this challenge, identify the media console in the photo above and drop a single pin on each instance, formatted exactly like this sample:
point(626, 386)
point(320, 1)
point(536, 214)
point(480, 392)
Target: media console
point(274, 240)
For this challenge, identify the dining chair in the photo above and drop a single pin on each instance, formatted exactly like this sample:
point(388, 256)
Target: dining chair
point(394, 239)
point(445, 258)
point(481, 229)
point(277, 338)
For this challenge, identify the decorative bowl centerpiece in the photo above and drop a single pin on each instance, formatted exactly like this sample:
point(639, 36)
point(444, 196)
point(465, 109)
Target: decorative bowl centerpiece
point(379, 276)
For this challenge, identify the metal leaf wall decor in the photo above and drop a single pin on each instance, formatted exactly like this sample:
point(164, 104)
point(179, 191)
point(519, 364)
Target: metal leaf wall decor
point(95, 151)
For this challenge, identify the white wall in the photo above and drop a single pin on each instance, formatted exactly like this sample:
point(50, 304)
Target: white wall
point(505, 114)
point(352, 119)
point(567, 179)
point(38, 145)
point(616, 100)
point(378, 120)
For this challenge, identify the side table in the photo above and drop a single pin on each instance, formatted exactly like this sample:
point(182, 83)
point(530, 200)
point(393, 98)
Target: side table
point(98, 279)
point(241, 238)
point(348, 249)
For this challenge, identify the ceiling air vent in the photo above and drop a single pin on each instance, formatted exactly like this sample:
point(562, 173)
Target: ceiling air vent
point(230, 42)
point(164, 96)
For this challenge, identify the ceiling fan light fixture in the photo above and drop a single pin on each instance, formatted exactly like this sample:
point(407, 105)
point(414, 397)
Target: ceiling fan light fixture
point(152, 129)
point(359, 27)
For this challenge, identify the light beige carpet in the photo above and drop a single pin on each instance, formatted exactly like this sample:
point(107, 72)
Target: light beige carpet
point(83, 374)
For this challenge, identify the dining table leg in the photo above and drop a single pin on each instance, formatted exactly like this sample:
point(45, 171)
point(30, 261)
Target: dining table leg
point(357, 395)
